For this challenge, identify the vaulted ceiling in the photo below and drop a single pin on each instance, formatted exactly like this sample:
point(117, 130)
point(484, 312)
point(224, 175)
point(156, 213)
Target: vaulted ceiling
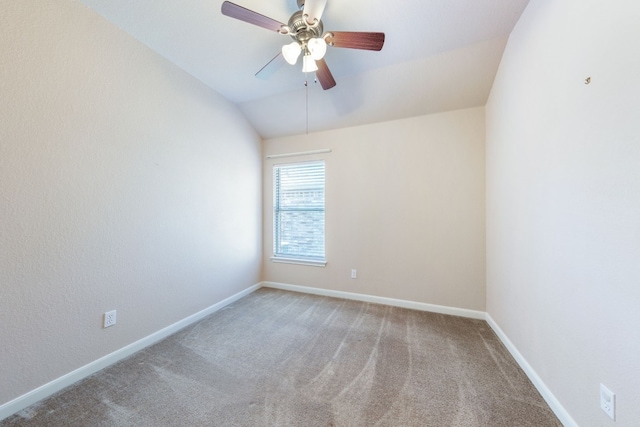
point(439, 55)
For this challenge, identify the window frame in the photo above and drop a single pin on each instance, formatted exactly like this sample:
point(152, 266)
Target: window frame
point(281, 257)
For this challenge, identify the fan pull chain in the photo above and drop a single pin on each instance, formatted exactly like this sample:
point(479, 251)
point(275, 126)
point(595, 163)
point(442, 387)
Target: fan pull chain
point(306, 88)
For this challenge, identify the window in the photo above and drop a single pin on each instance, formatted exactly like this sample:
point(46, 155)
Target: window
point(298, 213)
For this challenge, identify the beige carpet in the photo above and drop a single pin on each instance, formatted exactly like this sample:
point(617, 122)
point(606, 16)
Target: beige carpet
point(278, 358)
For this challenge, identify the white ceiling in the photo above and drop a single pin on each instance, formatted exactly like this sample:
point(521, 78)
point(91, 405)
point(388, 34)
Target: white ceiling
point(439, 55)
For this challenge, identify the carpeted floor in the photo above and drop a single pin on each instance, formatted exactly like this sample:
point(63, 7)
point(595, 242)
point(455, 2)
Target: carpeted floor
point(278, 358)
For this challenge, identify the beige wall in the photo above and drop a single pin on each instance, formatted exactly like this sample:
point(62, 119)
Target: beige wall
point(404, 206)
point(563, 201)
point(124, 184)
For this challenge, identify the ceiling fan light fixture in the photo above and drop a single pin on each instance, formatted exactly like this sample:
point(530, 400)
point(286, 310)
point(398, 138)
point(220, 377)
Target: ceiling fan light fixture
point(317, 47)
point(291, 51)
point(308, 64)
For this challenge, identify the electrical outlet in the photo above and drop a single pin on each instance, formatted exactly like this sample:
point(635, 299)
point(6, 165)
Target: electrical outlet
point(109, 318)
point(354, 274)
point(608, 401)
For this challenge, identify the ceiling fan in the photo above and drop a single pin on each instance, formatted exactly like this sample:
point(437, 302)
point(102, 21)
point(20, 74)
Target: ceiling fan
point(306, 29)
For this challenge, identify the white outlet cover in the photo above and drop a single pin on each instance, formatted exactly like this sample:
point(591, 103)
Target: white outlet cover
point(608, 401)
point(109, 318)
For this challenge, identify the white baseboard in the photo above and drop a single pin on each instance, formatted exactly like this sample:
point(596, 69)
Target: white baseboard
point(472, 314)
point(58, 384)
point(551, 400)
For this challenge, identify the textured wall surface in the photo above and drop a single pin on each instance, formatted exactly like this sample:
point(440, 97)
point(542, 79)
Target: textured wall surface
point(124, 184)
point(405, 207)
point(563, 212)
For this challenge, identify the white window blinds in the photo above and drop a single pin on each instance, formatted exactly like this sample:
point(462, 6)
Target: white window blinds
point(299, 211)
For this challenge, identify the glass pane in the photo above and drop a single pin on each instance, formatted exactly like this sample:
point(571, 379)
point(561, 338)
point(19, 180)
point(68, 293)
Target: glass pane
point(299, 210)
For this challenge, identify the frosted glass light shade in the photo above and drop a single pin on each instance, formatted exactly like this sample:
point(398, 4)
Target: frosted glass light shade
point(308, 64)
point(317, 48)
point(290, 52)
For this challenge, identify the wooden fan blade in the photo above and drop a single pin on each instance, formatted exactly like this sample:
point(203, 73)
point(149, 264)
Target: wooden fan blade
point(272, 66)
point(356, 40)
point(324, 75)
point(238, 12)
point(313, 9)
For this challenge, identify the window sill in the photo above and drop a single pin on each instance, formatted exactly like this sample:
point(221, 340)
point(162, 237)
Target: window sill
point(299, 261)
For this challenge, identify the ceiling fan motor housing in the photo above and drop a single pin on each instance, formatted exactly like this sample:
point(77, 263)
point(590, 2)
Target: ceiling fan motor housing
point(302, 32)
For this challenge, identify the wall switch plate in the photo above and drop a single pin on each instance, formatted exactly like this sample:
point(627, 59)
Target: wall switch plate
point(608, 401)
point(354, 274)
point(109, 318)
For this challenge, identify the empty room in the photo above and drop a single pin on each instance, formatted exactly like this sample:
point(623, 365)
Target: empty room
point(338, 213)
